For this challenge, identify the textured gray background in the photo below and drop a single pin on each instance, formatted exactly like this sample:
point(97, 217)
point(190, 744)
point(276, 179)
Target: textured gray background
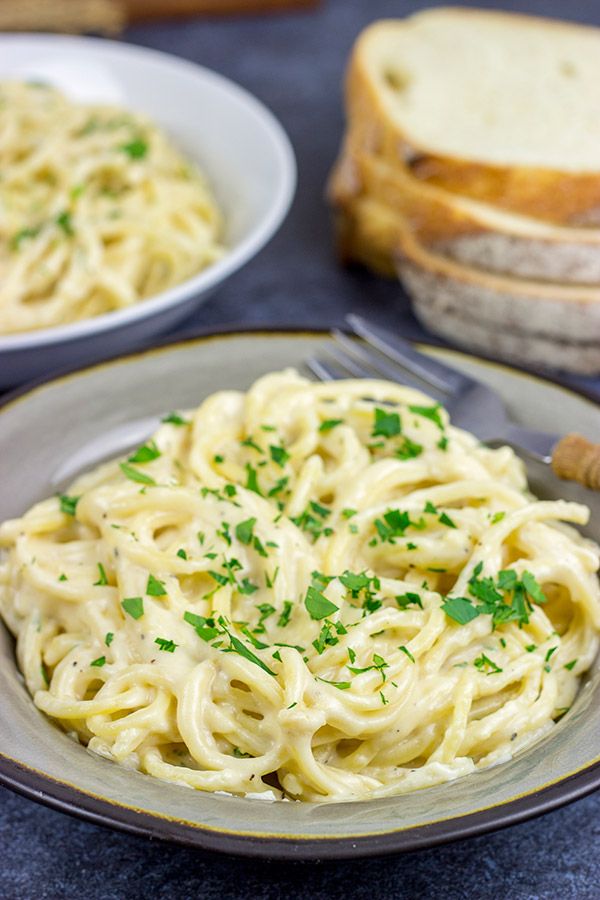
point(294, 64)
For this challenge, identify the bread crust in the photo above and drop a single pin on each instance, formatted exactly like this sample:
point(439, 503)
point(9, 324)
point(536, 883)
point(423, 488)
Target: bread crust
point(463, 230)
point(526, 322)
point(561, 197)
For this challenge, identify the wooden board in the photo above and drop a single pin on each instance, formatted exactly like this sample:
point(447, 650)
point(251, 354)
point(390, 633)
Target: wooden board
point(148, 9)
point(109, 17)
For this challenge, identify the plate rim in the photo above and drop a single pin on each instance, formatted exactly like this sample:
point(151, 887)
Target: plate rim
point(68, 798)
point(220, 270)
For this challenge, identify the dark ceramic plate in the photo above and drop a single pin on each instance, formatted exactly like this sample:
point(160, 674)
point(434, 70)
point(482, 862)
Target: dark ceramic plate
point(58, 429)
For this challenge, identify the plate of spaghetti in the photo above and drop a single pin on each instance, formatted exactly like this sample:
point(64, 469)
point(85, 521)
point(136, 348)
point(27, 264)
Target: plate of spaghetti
point(265, 615)
point(122, 207)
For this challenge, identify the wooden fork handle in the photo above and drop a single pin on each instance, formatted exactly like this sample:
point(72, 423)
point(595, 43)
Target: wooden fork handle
point(577, 459)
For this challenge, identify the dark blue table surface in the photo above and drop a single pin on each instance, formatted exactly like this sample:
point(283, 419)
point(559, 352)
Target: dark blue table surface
point(294, 63)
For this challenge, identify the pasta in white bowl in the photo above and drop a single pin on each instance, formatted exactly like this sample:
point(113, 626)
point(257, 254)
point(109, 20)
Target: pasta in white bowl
point(98, 210)
point(220, 129)
point(311, 591)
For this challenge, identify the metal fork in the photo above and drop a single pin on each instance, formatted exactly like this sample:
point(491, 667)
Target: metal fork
point(471, 404)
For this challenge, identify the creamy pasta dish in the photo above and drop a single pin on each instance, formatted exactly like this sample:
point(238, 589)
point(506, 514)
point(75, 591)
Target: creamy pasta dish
point(306, 591)
point(98, 210)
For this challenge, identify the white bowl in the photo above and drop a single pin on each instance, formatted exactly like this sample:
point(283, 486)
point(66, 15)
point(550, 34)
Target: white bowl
point(235, 140)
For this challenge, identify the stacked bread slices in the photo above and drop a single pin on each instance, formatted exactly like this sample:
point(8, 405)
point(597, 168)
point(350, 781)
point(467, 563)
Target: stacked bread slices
point(471, 166)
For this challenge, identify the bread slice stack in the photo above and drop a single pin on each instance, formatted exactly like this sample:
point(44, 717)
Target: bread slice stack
point(471, 166)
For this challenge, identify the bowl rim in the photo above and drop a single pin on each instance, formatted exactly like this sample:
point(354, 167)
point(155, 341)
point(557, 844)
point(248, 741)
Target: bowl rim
point(262, 231)
point(71, 799)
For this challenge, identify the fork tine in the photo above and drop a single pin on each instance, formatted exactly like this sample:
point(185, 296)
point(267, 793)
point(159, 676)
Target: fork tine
point(433, 373)
point(379, 366)
point(323, 370)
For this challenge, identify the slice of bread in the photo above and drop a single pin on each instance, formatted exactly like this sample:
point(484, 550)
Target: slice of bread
point(525, 322)
point(500, 107)
point(469, 232)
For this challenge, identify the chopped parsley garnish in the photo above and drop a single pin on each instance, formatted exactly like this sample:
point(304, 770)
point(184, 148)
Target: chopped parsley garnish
point(320, 581)
point(409, 599)
point(175, 419)
point(68, 505)
point(431, 508)
point(266, 610)
point(327, 637)
point(252, 480)
point(408, 449)
point(22, 235)
point(64, 222)
point(443, 443)
point(446, 520)
point(239, 647)
point(284, 618)
point(134, 606)
point(570, 665)
point(145, 453)
point(378, 664)
point(62, 577)
point(349, 513)
point(312, 520)
point(154, 587)
point(340, 685)
point(355, 583)
point(460, 609)
point(224, 533)
point(485, 664)
point(430, 412)
point(245, 586)
point(165, 644)
point(98, 662)
point(492, 597)
point(329, 424)
point(407, 652)
point(394, 524)
point(278, 487)
point(386, 424)
point(250, 442)
point(136, 149)
point(244, 532)
point(181, 553)
point(102, 579)
point(317, 605)
point(109, 638)
point(221, 579)
point(205, 628)
point(497, 517)
point(135, 475)
point(241, 754)
point(279, 455)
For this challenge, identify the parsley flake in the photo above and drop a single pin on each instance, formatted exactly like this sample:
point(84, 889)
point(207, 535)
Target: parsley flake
point(386, 424)
point(68, 505)
point(145, 453)
point(317, 605)
point(102, 579)
point(135, 475)
point(154, 587)
point(175, 419)
point(134, 606)
point(329, 424)
point(165, 644)
point(136, 149)
point(430, 412)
